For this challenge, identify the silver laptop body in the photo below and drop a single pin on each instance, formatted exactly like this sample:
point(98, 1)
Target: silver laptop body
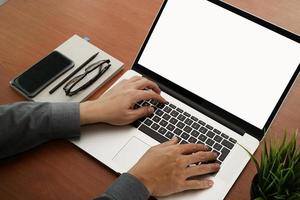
point(120, 148)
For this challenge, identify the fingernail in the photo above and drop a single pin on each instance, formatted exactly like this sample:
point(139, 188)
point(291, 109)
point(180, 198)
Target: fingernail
point(217, 166)
point(210, 183)
point(150, 109)
point(215, 154)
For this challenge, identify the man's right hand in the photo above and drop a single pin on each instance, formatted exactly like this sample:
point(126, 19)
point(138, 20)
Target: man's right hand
point(164, 169)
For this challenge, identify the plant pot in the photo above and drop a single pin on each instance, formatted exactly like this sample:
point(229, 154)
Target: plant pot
point(254, 191)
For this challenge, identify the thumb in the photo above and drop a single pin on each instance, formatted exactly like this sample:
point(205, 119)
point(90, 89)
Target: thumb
point(173, 141)
point(143, 111)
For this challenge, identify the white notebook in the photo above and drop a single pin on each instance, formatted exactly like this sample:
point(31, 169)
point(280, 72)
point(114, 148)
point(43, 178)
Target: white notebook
point(79, 50)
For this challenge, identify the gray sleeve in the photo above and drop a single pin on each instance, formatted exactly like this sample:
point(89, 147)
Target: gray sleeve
point(126, 187)
point(27, 124)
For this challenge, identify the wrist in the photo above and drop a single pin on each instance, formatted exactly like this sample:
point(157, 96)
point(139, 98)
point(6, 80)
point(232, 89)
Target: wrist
point(83, 107)
point(89, 113)
point(143, 180)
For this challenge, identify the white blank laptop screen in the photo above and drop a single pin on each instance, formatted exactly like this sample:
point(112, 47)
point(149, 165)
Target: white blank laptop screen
point(226, 59)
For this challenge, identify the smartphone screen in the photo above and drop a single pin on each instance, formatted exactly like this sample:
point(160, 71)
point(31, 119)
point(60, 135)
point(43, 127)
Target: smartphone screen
point(40, 75)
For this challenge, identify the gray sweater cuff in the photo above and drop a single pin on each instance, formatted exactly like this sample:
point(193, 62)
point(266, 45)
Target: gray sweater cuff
point(128, 187)
point(65, 120)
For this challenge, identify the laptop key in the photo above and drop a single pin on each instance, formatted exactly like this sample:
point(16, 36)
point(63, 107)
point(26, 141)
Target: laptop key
point(187, 129)
point(172, 106)
point(183, 142)
point(194, 118)
point(173, 121)
point(174, 113)
point(148, 122)
point(192, 140)
point(188, 121)
point(202, 138)
point(142, 119)
point(136, 124)
point(146, 104)
point(145, 129)
point(224, 153)
point(184, 136)
point(232, 140)
point(203, 129)
point(210, 134)
point(160, 105)
point(218, 138)
point(200, 142)
point(169, 135)
point(155, 126)
point(196, 125)
point(210, 142)
point(140, 102)
point(167, 109)
point(181, 117)
point(227, 144)
point(177, 131)
point(162, 131)
point(156, 119)
point(153, 102)
point(170, 127)
point(166, 116)
point(163, 123)
point(187, 114)
point(217, 131)
point(217, 146)
point(179, 110)
point(150, 116)
point(136, 106)
point(224, 136)
point(201, 122)
point(195, 133)
point(159, 112)
point(180, 125)
point(209, 127)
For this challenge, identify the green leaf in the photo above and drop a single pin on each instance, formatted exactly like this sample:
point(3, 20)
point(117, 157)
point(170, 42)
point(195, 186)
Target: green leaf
point(279, 170)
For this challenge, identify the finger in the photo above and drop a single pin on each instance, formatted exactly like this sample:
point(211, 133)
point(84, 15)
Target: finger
point(135, 78)
point(192, 148)
point(145, 83)
point(197, 184)
point(173, 141)
point(147, 94)
point(201, 156)
point(142, 112)
point(202, 169)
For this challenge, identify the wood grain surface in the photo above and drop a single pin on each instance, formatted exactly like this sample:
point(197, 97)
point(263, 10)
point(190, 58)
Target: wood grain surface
point(30, 29)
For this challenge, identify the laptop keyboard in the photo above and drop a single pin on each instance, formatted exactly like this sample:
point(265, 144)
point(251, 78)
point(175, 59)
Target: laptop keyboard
point(169, 120)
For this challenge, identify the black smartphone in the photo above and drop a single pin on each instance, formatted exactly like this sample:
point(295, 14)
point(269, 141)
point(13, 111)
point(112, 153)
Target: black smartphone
point(40, 75)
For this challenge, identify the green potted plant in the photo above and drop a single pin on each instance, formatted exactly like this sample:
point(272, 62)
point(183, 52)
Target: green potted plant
point(278, 173)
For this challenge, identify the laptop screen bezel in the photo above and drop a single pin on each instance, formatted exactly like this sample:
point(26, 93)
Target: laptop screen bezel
point(244, 125)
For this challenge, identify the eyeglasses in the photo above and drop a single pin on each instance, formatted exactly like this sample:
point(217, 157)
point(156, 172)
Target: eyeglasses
point(82, 81)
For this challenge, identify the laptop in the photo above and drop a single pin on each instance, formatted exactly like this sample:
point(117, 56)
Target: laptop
point(224, 73)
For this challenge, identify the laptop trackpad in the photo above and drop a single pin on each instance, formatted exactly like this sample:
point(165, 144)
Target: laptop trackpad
point(130, 153)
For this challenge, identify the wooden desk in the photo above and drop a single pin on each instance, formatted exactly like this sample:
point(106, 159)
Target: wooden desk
point(30, 29)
